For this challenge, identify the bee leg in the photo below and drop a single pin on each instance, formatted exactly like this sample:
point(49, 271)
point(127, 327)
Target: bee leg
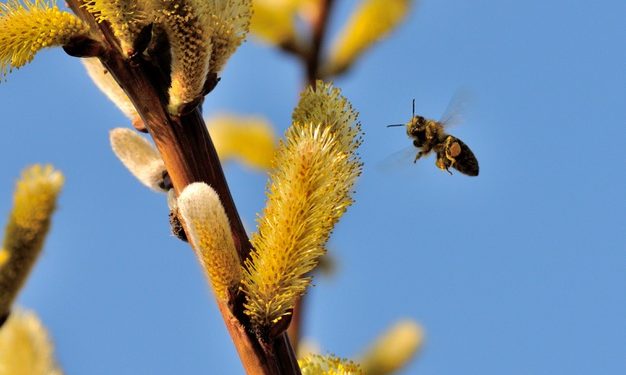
point(447, 152)
point(441, 164)
point(419, 155)
point(452, 161)
point(452, 150)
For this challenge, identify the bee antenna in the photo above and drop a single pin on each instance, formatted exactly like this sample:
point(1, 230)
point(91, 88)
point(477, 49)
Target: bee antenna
point(392, 125)
point(413, 114)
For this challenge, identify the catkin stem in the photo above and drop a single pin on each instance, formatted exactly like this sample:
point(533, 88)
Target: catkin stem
point(189, 155)
point(320, 26)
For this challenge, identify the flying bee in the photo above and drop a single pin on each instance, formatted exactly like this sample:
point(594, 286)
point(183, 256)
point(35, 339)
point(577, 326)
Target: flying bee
point(429, 135)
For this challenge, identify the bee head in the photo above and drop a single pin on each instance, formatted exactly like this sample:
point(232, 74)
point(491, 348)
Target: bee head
point(416, 128)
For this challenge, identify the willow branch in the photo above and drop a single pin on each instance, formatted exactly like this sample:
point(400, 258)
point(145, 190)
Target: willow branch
point(319, 26)
point(189, 156)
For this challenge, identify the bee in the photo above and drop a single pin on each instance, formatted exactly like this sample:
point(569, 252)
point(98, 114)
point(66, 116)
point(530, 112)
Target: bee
point(429, 135)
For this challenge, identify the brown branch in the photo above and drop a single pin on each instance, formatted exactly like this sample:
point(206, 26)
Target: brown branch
point(294, 47)
point(295, 328)
point(319, 27)
point(189, 156)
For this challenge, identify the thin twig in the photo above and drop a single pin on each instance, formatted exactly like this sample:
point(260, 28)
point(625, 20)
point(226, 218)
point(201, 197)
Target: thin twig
point(319, 27)
point(295, 327)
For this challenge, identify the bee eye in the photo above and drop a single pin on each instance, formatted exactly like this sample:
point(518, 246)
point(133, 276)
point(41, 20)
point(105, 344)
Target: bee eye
point(419, 134)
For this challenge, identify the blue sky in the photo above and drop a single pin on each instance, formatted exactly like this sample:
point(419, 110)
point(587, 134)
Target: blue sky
point(517, 271)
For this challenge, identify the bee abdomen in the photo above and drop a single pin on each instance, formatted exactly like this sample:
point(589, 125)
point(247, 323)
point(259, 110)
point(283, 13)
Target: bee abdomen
point(465, 161)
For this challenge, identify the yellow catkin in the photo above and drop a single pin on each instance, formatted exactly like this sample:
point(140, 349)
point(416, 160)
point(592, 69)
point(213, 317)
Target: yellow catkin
point(316, 364)
point(370, 22)
point(325, 105)
point(394, 349)
point(34, 202)
point(139, 157)
point(311, 184)
point(274, 21)
point(308, 347)
point(107, 84)
point(126, 17)
point(209, 230)
point(25, 347)
point(203, 34)
point(187, 24)
point(27, 26)
point(248, 139)
point(230, 22)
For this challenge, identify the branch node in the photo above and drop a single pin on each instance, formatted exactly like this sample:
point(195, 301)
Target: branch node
point(83, 46)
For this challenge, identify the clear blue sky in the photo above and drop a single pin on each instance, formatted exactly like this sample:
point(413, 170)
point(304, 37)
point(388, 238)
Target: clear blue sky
point(517, 271)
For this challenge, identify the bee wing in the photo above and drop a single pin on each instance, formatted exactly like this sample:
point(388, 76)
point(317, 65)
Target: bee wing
point(454, 113)
point(397, 160)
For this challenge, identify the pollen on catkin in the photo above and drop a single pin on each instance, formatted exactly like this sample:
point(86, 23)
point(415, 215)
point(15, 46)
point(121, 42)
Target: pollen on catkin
point(210, 235)
point(324, 104)
point(370, 22)
point(126, 17)
point(187, 24)
point(310, 188)
point(230, 22)
point(316, 364)
point(34, 202)
point(28, 26)
point(139, 157)
point(25, 346)
point(107, 84)
point(203, 34)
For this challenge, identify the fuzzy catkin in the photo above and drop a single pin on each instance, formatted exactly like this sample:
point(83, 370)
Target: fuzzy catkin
point(126, 18)
point(187, 25)
point(370, 22)
point(28, 26)
point(34, 202)
point(230, 22)
point(274, 21)
point(109, 86)
point(314, 173)
point(25, 346)
point(139, 157)
point(251, 140)
point(393, 349)
point(316, 364)
point(209, 230)
point(203, 34)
